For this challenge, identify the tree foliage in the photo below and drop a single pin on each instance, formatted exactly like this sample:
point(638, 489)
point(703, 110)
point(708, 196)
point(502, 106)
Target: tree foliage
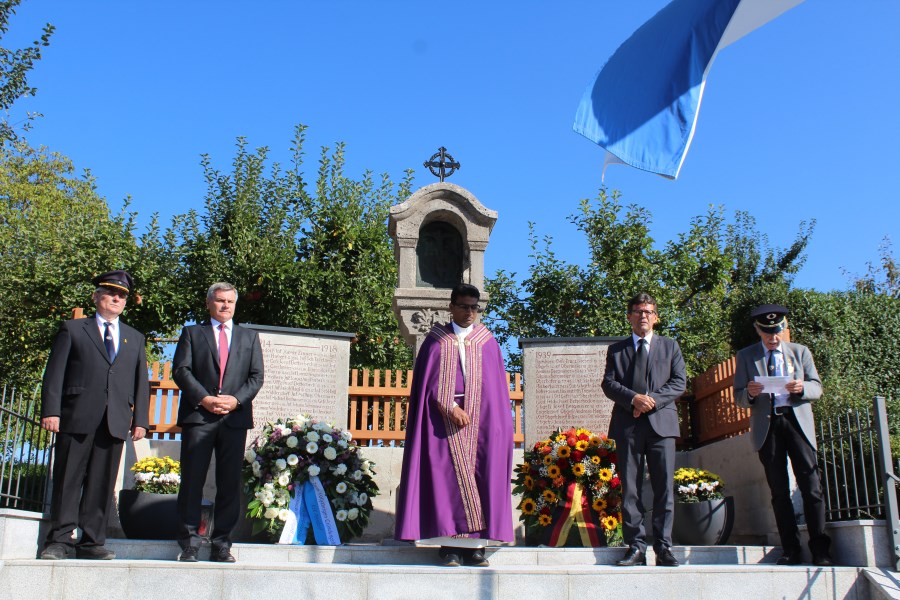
point(702, 280)
point(56, 233)
point(14, 68)
point(317, 259)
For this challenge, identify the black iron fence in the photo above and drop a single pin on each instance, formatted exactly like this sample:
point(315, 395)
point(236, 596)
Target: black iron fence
point(26, 451)
point(857, 469)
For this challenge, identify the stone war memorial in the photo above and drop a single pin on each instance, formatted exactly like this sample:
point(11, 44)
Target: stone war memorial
point(562, 387)
point(305, 373)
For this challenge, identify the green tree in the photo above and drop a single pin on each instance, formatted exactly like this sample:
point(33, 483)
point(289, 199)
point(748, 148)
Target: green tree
point(56, 232)
point(317, 259)
point(14, 68)
point(701, 280)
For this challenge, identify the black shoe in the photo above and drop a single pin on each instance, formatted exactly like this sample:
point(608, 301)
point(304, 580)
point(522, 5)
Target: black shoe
point(665, 558)
point(221, 554)
point(822, 560)
point(451, 559)
point(632, 558)
point(188, 554)
point(55, 552)
point(790, 558)
point(477, 559)
point(94, 553)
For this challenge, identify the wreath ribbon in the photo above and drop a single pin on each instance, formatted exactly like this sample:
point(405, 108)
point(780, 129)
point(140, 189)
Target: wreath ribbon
point(310, 507)
point(576, 513)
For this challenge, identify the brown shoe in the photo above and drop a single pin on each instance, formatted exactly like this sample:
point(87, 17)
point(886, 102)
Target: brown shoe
point(790, 558)
point(94, 553)
point(477, 559)
point(665, 558)
point(55, 552)
point(221, 554)
point(632, 558)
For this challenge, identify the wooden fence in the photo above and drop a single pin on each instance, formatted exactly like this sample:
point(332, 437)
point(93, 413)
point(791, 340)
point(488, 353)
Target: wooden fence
point(714, 415)
point(377, 400)
point(376, 404)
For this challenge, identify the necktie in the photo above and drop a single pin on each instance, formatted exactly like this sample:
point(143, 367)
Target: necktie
point(223, 354)
point(639, 379)
point(108, 341)
point(773, 364)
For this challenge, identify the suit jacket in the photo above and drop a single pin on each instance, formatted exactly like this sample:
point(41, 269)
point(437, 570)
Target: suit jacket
point(751, 361)
point(667, 381)
point(196, 371)
point(81, 384)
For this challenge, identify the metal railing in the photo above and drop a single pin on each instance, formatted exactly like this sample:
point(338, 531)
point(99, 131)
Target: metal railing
point(857, 469)
point(27, 452)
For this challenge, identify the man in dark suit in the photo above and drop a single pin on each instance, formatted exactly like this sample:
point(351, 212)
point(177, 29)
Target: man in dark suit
point(94, 395)
point(782, 426)
point(218, 367)
point(644, 376)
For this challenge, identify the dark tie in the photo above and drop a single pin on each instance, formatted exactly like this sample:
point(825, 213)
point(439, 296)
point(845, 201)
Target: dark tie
point(223, 354)
point(772, 364)
point(108, 341)
point(639, 380)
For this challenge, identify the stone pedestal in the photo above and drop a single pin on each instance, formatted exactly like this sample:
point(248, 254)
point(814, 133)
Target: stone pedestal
point(440, 234)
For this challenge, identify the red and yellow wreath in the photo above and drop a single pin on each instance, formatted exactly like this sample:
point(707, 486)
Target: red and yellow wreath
point(570, 490)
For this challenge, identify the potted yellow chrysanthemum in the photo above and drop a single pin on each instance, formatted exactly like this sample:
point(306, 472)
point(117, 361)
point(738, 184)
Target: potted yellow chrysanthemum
point(703, 515)
point(149, 510)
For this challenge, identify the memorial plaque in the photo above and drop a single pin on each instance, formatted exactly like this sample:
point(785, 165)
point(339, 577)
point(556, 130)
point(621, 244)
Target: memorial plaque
point(562, 385)
point(305, 373)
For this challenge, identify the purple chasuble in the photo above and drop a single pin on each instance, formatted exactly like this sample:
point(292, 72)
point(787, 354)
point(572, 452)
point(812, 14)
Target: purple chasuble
point(456, 482)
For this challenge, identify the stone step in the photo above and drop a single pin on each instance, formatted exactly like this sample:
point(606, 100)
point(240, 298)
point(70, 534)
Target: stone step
point(322, 578)
point(408, 554)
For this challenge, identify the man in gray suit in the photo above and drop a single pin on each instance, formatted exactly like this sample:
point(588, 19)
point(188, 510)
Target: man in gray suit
point(644, 376)
point(94, 395)
point(218, 366)
point(781, 426)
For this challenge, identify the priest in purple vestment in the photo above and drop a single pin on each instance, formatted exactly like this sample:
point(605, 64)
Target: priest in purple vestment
point(457, 461)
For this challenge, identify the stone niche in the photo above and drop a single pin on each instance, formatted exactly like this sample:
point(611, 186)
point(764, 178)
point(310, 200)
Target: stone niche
point(440, 234)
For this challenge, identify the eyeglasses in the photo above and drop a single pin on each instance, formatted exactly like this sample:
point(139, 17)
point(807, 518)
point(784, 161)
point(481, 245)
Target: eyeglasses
point(643, 313)
point(468, 307)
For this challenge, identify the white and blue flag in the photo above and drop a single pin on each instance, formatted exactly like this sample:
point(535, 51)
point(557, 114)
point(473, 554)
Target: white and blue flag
point(642, 106)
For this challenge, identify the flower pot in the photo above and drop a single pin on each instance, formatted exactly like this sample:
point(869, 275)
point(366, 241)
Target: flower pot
point(148, 516)
point(706, 523)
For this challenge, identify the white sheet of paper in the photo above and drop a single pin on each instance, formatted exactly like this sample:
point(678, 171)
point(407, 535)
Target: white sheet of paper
point(773, 385)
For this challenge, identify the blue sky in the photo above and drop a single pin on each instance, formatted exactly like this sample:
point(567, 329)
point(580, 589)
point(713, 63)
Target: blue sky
point(799, 119)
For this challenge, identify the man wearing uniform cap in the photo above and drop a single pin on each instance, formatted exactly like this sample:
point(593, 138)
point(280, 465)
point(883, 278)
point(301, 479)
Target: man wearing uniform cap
point(94, 395)
point(782, 427)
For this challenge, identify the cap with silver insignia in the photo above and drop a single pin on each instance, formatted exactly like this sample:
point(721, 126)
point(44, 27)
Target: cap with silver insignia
point(770, 318)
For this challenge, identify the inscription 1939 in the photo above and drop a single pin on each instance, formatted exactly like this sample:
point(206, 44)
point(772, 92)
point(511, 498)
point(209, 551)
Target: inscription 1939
point(565, 390)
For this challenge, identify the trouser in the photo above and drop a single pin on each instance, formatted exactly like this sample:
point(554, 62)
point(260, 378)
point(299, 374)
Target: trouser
point(85, 467)
point(639, 443)
point(786, 439)
point(198, 442)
